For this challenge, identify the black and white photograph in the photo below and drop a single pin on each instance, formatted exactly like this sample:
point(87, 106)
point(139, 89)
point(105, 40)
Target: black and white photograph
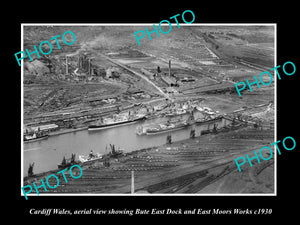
point(146, 112)
point(136, 111)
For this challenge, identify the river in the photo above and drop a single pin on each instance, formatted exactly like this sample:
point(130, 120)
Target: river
point(48, 153)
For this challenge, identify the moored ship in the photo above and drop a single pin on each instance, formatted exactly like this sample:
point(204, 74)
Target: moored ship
point(116, 120)
point(165, 128)
point(161, 128)
point(208, 119)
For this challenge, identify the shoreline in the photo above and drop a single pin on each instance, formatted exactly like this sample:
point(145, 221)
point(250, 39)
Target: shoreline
point(222, 130)
point(70, 130)
point(66, 131)
point(184, 166)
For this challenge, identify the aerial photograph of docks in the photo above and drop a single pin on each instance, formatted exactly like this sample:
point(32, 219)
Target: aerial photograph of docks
point(162, 117)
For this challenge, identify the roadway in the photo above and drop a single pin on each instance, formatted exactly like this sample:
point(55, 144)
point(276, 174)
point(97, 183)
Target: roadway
point(138, 74)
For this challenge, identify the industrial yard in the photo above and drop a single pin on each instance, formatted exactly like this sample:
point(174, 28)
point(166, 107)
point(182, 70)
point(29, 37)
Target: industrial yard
point(182, 167)
point(189, 73)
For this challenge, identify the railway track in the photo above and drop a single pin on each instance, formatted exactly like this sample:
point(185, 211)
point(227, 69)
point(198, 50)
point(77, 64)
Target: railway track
point(210, 179)
point(138, 74)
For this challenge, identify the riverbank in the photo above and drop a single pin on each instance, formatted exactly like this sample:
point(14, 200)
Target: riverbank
point(181, 167)
point(66, 131)
point(154, 116)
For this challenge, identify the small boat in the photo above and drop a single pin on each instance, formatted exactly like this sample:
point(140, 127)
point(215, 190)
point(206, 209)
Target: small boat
point(89, 157)
point(38, 135)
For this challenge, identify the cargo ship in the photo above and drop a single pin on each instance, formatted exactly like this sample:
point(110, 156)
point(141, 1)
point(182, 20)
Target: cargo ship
point(161, 128)
point(165, 128)
point(117, 120)
point(208, 119)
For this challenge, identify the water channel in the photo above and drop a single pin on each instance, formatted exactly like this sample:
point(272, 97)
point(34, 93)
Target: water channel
point(48, 153)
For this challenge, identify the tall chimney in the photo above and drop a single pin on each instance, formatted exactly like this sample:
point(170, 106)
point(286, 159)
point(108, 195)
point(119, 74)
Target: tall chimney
point(66, 64)
point(132, 182)
point(169, 68)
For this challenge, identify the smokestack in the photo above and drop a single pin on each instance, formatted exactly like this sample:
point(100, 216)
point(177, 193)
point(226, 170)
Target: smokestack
point(66, 64)
point(132, 182)
point(169, 68)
